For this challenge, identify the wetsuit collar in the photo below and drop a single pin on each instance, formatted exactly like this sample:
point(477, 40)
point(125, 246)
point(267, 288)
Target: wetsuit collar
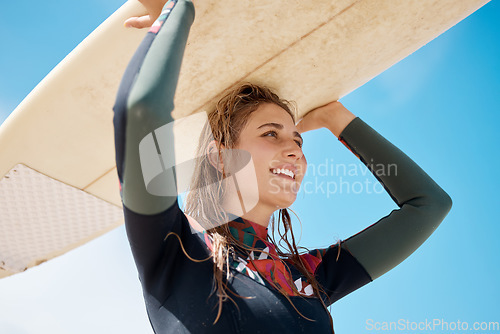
point(249, 233)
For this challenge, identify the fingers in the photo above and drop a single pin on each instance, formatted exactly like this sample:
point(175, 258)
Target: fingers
point(139, 22)
point(300, 126)
point(305, 125)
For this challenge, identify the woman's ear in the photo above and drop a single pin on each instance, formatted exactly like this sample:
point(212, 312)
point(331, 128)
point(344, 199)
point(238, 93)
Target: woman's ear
point(214, 156)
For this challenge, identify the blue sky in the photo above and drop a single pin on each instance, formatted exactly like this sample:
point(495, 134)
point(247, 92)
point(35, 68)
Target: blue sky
point(439, 105)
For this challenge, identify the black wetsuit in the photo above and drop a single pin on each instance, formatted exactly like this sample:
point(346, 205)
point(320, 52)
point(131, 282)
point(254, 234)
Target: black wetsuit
point(176, 289)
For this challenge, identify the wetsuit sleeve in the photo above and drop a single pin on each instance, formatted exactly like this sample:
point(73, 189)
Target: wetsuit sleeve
point(144, 104)
point(382, 246)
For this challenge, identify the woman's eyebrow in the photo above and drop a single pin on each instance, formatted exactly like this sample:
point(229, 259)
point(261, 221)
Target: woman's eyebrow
point(280, 127)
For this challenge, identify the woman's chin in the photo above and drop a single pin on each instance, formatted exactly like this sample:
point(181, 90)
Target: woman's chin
point(284, 200)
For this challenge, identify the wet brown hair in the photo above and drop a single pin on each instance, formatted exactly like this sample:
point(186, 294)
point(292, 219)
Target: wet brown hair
point(204, 200)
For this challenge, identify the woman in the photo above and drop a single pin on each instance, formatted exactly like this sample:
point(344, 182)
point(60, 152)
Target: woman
point(230, 276)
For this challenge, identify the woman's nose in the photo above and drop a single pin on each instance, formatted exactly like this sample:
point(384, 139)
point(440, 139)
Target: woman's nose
point(293, 150)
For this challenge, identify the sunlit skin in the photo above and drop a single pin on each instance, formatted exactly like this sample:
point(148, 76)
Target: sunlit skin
point(273, 140)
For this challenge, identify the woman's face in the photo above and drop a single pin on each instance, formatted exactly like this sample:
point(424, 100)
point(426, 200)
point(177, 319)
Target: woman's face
point(272, 139)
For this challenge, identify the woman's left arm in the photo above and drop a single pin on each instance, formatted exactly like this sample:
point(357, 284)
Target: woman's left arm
point(422, 203)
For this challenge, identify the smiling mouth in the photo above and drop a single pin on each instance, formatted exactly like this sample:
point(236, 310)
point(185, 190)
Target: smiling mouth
point(279, 173)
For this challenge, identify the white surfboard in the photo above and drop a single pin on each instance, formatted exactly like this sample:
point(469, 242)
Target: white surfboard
point(58, 183)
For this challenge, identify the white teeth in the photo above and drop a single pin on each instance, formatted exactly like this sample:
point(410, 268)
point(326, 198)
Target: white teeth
point(284, 171)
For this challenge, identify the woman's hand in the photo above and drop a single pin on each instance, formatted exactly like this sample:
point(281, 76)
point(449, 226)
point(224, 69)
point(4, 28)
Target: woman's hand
point(333, 116)
point(153, 9)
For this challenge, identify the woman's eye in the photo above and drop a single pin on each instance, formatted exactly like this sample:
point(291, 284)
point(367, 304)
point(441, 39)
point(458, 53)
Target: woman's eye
point(275, 134)
point(271, 133)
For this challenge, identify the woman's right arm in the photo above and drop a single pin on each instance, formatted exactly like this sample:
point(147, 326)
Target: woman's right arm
point(144, 103)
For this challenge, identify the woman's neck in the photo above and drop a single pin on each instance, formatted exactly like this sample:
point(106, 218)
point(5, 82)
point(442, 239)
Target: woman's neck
point(259, 214)
point(238, 204)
